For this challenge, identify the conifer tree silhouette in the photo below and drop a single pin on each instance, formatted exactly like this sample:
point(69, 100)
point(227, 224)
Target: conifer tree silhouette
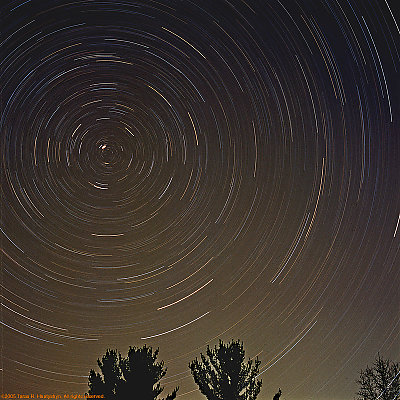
point(136, 376)
point(224, 375)
point(278, 395)
point(109, 382)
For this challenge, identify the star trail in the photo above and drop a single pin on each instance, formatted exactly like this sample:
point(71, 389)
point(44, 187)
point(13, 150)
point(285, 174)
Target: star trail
point(178, 172)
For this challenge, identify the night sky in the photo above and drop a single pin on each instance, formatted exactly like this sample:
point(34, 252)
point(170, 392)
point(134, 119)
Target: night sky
point(178, 172)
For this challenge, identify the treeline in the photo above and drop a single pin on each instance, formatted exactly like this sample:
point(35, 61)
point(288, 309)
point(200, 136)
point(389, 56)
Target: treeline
point(222, 373)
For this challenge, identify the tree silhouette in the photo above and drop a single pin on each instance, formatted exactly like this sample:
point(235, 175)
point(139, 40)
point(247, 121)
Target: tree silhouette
point(136, 376)
point(381, 381)
point(277, 395)
point(223, 374)
point(109, 383)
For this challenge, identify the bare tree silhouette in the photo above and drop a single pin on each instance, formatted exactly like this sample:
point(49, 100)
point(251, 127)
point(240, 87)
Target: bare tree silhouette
point(381, 381)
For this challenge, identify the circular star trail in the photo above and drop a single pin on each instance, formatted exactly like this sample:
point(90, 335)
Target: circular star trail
point(177, 172)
